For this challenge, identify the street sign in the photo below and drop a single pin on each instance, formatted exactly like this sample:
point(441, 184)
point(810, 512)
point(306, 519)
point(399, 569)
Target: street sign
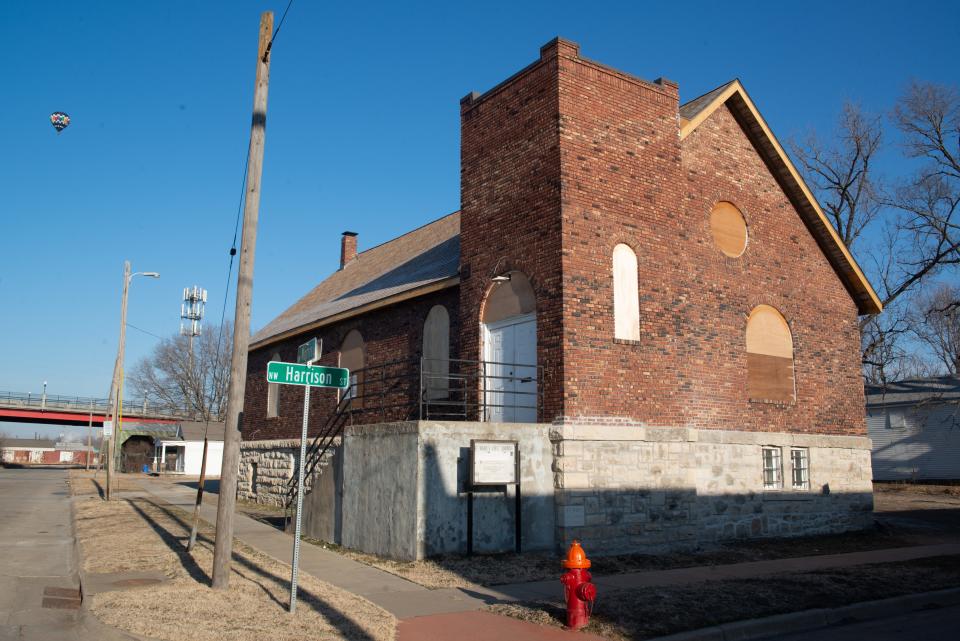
point(107, 429)
point(307, 375)
point(308, 351)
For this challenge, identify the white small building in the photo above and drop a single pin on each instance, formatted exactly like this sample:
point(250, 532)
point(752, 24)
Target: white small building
point(184, 454)
point(914, 425)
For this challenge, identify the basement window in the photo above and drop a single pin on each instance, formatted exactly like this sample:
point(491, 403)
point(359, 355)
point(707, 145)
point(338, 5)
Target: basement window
point(772, 468)
point(800, 464)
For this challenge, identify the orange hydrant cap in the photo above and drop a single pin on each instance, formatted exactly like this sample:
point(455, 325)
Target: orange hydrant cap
point(576, 557)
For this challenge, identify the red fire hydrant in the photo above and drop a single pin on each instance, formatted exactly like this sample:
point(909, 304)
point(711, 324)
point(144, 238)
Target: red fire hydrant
point(580, 592)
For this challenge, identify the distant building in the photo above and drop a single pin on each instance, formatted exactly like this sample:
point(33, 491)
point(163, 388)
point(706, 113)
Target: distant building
point(28, 451)
point(915, 428)
point(184, 454)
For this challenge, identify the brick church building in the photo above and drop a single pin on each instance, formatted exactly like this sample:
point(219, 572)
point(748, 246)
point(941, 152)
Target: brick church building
point(644, 295)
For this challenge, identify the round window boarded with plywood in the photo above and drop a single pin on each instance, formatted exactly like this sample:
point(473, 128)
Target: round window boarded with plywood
point(729, 229)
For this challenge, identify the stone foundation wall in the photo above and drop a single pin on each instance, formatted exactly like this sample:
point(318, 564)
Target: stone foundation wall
point(267, 467)
point(643, 489)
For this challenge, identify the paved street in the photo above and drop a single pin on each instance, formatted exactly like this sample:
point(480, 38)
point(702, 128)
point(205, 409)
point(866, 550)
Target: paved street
point(36, 553)
point(929, 625)
point(39, 586)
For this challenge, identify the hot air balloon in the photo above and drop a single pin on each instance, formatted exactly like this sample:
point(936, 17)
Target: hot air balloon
point(59, 120)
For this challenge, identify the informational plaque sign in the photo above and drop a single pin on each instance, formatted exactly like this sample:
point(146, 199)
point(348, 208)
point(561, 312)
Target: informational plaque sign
point(493, 462)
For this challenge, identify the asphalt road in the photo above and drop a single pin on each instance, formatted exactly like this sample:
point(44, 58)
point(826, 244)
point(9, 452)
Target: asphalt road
point(928, 625)
point(36, 555)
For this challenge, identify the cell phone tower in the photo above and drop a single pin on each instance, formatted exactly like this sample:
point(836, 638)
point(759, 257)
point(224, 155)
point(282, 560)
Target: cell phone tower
point(191, 312)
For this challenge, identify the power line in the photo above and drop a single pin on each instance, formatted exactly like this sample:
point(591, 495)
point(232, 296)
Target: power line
point(144, 331)
point(266, 53)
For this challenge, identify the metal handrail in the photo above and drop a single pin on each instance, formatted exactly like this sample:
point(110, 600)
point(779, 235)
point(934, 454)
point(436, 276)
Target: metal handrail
point(390, 390)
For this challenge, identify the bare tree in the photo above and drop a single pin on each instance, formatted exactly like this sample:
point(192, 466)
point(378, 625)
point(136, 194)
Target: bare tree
point(913, 222)
point(842, 171)
point(936, 323)
point(196, 383)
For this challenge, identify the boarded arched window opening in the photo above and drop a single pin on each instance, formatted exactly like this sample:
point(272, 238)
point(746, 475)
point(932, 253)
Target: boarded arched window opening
point(436, 353)
point(353, 357)
point(626, 296)
point(729, 229)
point(769, 356)
point(273, 395)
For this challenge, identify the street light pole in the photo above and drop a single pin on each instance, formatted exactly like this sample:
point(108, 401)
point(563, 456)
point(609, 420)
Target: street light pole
point(117, 385)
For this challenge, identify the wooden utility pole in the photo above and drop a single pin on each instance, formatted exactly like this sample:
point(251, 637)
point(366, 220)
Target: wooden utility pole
point(241, 323)
point(115, 385)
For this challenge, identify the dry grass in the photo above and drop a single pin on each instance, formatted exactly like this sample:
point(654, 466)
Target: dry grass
point(652, 612)
point(498, 569)
point(84, 483)
point(143, 534)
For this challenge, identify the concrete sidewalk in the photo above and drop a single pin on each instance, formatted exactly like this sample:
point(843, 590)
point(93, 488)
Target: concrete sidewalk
point(406, 599)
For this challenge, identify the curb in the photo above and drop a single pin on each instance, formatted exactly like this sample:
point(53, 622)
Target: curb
point(90, 624)
point(820, 617)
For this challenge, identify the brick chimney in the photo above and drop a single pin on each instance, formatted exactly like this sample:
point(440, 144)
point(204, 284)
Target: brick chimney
point(348, 247)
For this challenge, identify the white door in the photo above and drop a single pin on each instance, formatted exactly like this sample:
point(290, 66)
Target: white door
point(510, 349)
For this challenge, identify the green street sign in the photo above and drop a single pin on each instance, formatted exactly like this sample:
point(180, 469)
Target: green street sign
point(308, 351)
point(315, 376)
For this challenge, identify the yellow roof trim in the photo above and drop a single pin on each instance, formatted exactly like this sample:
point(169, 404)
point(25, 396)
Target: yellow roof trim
point(873, 305)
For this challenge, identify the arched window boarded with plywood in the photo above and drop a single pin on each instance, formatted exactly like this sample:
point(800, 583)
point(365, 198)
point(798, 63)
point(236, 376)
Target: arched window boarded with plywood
point(436, 353)
point(626, 296)
point(353, 357)
point(769, 356)
point(273, 395)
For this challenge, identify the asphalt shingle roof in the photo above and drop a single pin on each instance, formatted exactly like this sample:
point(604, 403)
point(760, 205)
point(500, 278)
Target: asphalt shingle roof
point(914, 390)
point(425, 255)
point(690, 110)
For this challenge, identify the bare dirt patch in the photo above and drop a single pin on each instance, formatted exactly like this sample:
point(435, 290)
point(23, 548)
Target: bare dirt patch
point(142, 534)
point(499, 569)
point(652, 612)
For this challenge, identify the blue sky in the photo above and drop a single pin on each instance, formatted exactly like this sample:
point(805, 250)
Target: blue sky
point(363, 133)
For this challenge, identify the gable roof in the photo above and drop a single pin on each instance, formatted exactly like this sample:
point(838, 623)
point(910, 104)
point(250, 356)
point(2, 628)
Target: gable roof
point(732, 94)
point(914, 390)
point(194, 431)
point(423, 260)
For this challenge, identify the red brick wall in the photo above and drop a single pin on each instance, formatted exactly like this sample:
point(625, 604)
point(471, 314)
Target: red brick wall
point(782, 267)
point(621, 184)
point(627, 178)
point(510, 206)
point(394, 333)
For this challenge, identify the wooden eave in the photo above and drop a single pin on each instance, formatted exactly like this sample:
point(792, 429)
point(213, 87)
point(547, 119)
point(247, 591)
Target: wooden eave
point(746, 114)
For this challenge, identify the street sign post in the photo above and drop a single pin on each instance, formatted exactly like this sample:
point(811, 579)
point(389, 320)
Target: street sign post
point(307, 376)
point(107, 429)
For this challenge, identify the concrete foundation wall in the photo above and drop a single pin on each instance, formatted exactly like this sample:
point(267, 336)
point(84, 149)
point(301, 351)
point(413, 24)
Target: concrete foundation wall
point(643, 489)
point(444, 449)
point(380, 489)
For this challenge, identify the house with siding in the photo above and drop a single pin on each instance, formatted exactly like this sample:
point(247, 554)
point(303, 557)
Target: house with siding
point(914, 426)
point(642, 295)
